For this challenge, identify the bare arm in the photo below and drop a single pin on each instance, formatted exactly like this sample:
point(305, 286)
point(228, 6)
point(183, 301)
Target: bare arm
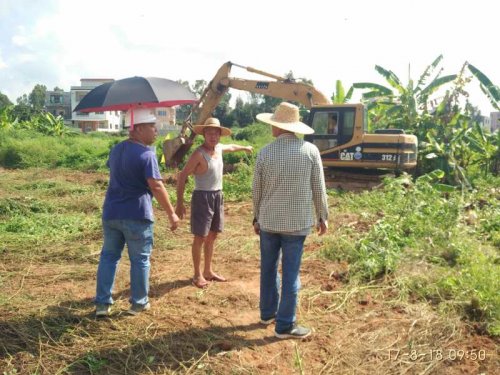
point(234, 148)
point(188, 169)
point(256, 194)
point(160, 193)
point(319, 194)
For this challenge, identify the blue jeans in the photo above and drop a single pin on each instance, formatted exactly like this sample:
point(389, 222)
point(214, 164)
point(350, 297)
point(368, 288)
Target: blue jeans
point(138, 235)
point(291, 248)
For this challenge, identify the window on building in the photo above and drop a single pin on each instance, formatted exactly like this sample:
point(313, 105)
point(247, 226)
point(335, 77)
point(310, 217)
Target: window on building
point(162, 113)
point(56, 99)
point(79, 95)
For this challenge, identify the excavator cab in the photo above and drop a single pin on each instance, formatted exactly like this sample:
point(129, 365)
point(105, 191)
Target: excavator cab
point(351, 146)
point(333, 125)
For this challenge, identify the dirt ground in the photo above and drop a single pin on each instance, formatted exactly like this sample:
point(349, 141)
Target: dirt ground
point(364, 329)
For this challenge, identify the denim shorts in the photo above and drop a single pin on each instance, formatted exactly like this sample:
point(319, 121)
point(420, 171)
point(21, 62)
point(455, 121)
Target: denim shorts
point(207, 212)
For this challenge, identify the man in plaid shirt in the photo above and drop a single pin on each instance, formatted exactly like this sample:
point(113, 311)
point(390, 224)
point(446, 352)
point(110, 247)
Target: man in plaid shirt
point(288, 185)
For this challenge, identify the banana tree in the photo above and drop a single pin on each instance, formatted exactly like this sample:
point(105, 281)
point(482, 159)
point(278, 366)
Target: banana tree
point(339, 96)
point(489, 89)
point(403, 105)
point(486, 147)
point(450, 153)
point(7, 118)
point(49, 124)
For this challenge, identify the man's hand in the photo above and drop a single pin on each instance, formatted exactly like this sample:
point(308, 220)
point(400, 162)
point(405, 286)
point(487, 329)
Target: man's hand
point(256, 228)
point(322, 227)
point(180, 210)
point(249, 149)
point(174, 221)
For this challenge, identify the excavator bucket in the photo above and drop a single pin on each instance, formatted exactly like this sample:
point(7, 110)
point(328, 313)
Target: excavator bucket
point(170, 149)
point(176, 148)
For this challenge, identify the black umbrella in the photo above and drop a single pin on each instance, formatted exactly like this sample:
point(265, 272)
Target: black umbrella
point(134, 92)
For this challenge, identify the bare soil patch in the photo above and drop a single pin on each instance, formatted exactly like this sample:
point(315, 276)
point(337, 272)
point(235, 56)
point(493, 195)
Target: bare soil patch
point(47, 324)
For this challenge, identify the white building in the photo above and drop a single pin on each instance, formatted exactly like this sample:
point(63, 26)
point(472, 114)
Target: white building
point(485, 122)
point(165, 119)
point(165, 122)
point(108, 121)
point(495, 121)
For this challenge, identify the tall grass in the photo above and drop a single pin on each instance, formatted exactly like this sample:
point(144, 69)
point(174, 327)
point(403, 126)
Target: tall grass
point(26, 149)
point(450, 239)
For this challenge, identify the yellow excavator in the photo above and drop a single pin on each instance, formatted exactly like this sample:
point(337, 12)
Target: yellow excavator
point(348, 151)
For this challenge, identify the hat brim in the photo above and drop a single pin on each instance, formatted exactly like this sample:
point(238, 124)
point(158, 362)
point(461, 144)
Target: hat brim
point(294, 127)
point(141, 120)
point(198, 129)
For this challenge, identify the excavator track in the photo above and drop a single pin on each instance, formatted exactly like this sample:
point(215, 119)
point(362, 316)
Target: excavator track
point(355, 179)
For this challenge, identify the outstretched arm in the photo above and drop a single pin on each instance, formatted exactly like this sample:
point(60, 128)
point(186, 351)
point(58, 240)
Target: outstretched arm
point(234, 148)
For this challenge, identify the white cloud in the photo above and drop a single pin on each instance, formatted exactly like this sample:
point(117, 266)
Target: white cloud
point(58, 42)
point(19, 40)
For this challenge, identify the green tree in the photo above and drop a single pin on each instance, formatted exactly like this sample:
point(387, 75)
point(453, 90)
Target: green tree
point(244, 112)
point(4, 101)
point(199, 86)
point(182, 112)
point(37, 97)
point(7, 118)
point(223, 110)
point(23, 110)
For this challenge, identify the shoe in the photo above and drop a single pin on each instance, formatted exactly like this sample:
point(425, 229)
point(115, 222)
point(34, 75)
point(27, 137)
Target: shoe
point(296, 332)
point(102, 310)
point(136, 309)
point(266, 322)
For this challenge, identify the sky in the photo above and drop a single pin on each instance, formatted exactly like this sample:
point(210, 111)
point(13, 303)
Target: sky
point(57, 42)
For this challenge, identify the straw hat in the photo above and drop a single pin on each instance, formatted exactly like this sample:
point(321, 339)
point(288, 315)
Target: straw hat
point(211, 122)
point(286, 117)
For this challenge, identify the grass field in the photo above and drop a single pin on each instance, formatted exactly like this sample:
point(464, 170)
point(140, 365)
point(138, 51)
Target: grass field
point(406, 281)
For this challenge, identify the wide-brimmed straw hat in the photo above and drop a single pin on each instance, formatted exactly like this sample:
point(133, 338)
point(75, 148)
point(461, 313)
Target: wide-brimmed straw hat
point(211, 122)
point(286, 117)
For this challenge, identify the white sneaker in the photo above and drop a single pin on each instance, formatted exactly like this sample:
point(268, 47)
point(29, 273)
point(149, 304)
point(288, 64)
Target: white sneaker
point(296, 332)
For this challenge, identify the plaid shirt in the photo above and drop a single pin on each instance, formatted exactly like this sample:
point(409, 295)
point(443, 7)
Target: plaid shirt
point(287, 181)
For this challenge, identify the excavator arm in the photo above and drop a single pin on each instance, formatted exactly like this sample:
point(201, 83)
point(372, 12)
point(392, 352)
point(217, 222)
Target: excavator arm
point(175, 149)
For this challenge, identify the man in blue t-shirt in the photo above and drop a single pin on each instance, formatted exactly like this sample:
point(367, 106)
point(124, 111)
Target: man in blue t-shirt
point(127, 216)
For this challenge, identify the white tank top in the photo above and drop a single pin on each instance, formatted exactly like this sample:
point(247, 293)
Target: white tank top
point(211, 180)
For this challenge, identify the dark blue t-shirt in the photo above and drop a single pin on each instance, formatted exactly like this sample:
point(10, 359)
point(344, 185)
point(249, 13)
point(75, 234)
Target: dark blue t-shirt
point(128, 196)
